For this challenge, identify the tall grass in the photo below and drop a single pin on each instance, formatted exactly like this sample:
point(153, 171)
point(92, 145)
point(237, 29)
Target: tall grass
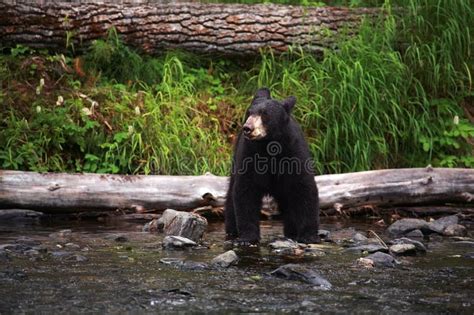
point(389, 97)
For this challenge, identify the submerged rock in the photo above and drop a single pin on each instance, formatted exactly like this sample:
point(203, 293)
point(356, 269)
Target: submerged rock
point(185, 224)
point(380, 259)
point(370, 248)
point(302, 273)
point(405, 226)
point(225, 260)
point(172, 241)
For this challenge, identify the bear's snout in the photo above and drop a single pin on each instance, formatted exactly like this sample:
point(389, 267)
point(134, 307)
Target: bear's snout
point(253, 128)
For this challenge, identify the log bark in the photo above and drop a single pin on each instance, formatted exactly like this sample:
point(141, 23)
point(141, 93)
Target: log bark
point(226, 28)
point(57, 192)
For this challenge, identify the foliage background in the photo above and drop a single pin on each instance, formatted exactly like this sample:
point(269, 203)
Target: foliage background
point(397, 95)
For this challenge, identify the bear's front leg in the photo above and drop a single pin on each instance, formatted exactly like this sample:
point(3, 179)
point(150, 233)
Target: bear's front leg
point(247, 205)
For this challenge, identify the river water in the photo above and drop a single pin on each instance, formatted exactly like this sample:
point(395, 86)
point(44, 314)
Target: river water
point(114, 267)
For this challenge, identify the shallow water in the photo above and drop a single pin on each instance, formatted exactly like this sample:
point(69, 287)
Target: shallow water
point(126, 275)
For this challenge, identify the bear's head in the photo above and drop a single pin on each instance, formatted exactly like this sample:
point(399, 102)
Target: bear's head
point(266, 118)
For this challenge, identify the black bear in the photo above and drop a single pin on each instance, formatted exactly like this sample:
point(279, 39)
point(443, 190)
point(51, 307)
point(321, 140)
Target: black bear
point(271, 157)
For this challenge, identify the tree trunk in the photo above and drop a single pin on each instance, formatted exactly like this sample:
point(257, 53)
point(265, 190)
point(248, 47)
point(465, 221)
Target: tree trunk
point(51, 192)
point(226, 28)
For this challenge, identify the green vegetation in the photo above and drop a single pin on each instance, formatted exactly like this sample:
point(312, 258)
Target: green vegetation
point(393, 96)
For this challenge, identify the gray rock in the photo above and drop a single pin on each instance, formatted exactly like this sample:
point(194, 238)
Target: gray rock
point(455, 230)
point(225, 260)
point(182, 264)
point(283, 243)
point(359, 238)
point(185, 224)
point(370, 248)
point(313, 252)
point(403, 249)
point(380, 259)
point(301, 273)
point(405, 226)
point(438, 226)
point(151, 226)
point(61, 234)
point(61, 254)
point(72, 246)
point(419, 246)
point(172, 241)
point(415, 234)
point(80, 258)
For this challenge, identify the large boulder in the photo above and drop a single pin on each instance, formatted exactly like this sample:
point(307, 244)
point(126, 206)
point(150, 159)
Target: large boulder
point(185, 224)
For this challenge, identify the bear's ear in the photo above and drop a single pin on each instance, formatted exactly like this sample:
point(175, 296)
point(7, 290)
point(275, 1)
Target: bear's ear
point(289, 103)
point(262, 93)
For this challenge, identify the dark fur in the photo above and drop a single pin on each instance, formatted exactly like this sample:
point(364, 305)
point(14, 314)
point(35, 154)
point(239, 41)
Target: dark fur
point(295, 192)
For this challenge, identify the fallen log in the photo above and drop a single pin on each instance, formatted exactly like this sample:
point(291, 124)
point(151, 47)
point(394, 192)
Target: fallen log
point(225, 28)
point(59, 192)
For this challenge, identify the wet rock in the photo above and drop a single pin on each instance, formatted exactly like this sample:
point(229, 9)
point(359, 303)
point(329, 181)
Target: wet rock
point(80, 258)
point(366, 263)
point(405, 226)
point(438, 226)
point(185, 224)
point(307, 303)
point(72, 246)
point(455, 230)
point(324, 234)
point(313, 252)
point(359, 238)
point(301, 273)
point(185, 265)
point(380, 259)
point(403, 249)
point(370, 248)
point(286, 247)
point(60, 254)
point(283, 243)
point(415, 234)
point(66, 233)
point(225, 260)
point(11, 215)
point(173, 241)
point(419, 246)
point(152, 226)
